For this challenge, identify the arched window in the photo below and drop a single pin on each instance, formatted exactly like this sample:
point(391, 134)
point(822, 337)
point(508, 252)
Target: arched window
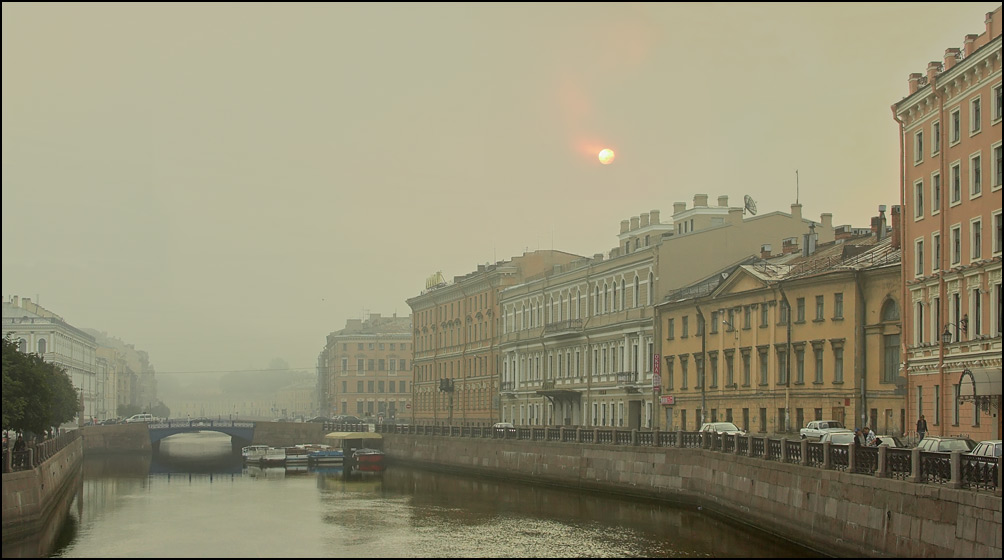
point(636, 290)
point(890, 311)
point(22, 345)
point(41, 347)
point(622, 294)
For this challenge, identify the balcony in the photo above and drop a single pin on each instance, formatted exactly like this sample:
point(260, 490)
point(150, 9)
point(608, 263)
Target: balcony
point(570, 326)
point(507, 387)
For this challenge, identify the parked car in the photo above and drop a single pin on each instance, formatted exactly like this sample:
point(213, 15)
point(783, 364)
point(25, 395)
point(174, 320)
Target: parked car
point(110, 421)
point(891, 441)
point(347, 419)
point(837, 438)
point(140, 418)
point(816, 428)
point(502, 425)
point(722, 428)
point(322, 419)
point(987, 448)
point(946, 444)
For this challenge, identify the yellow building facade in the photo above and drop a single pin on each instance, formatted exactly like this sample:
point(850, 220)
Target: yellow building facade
point(773, 344)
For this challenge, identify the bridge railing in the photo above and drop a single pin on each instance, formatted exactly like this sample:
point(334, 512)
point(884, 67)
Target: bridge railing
point(955, 470)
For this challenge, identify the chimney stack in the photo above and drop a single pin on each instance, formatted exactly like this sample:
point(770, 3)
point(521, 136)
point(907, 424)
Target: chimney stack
point(951, 57)
point(644, 220)
point(679, 207)
point(624, 226)
point(634, 223)
point(914, 82)
point(882, 228)
point(827, 220)
point(897, 228)
point(933, 69)
point(789, 245)
point(796, 211)
point(969, 45)
point(700, 200)
point(765, 251)
point(723, 201)
point(654, 216)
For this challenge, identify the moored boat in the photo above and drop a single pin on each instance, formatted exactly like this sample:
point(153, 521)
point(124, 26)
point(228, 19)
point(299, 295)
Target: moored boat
point(254, 453)
point(368, 460)
point(275, 456)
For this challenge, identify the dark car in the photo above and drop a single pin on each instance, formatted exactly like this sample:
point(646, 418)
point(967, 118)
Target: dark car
point(939, 444)
point(321, 420)
point(346, 419)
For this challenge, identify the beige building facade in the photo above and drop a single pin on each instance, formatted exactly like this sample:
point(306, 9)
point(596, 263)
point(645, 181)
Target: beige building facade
point(455, 336)
point(772, 344)
point(579, 343)
point(365, 369)
point(952, 169)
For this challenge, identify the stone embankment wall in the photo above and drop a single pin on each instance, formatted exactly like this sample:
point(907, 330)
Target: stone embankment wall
point(31, 497)
point(834, 512)
point(284, 434)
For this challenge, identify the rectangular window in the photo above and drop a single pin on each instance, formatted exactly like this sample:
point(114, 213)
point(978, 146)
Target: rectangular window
point(838, 305)
point(975, 176)
point(714, 322)
point(683, 372)
point(890, 369)
point(997, 166)
point(918, 266)
point(345, 364)
point(800, 310)
point(936, 251)
point(747, 316)
point(381, 365)
point(763, 315)
point(369, 386)
point(998, 101)
point(956, 183)
point(400, 364)
point(763, 366)
point(918, 200)
point(714, 370)
point(746, 368)
point(370, 365)
point(817, 350)
point(935, 193)
point(685, 328)
point(935, 137)
point(819, 308)
point(956, 245)
point(669, 373)
point(976, 303)
point(976, 239)
point(670, 329)
point(955, 403)
point(838, 365)
point(918, 147)
point(799, 366)
point(785, 312)
point(730, 369)
point(359, 386)
point(998, 233)
point(956, 131)
point(359, 364)
point(782, 367)
point(975, 115)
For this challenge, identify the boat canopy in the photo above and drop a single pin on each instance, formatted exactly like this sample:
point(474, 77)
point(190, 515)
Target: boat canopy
point(353, 435)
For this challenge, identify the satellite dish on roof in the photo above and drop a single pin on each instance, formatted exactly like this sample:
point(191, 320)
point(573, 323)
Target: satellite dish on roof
point(750, 204)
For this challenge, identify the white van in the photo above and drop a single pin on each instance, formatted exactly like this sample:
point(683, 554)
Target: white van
point(140, 418)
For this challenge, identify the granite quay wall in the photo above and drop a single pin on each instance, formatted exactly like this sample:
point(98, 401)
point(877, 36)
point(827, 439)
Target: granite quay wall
point(116, 438)
point(32, 498)
point(284, 434)
point(831, 511)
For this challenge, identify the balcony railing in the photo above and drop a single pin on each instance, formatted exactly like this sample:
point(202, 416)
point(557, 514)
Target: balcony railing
point(627, 377)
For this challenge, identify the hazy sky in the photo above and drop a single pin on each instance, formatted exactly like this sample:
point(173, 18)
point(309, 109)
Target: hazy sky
point(224, 184)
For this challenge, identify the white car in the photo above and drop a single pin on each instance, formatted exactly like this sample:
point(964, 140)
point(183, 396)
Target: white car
point(499, 425)
point(140, 418)
point(817, 428)
point(722, 428)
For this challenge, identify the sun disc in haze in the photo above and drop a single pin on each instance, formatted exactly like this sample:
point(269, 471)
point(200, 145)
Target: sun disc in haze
point(606, 156)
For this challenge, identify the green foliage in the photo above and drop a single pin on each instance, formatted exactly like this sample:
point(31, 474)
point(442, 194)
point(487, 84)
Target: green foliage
point(127, 410)
point(36, 395)
point(160, 410)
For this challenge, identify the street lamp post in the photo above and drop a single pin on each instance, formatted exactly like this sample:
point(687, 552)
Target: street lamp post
point(960, 328)
point(446, 386)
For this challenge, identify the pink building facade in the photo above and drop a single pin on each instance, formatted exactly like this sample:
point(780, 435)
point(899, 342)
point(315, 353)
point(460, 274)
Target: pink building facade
point(951, 177)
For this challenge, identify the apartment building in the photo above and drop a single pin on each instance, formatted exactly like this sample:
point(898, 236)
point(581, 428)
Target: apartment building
point(456, 358)
point(773, 343)
point(578, 342)
point(952, 170)
point(365, 369)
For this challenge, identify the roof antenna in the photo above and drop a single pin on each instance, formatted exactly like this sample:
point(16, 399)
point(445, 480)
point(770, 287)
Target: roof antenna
point(796, 186)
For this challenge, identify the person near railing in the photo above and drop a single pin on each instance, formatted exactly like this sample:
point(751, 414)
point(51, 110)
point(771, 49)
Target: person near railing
point(921, 428)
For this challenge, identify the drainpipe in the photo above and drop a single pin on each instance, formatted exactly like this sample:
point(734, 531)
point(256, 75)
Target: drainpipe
point(942, 287)
point(787, 363)
point(704, 366)
point(903, 343)
point(861, 347)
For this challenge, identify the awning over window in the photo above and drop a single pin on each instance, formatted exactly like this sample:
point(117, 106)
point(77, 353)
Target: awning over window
point(980, 383)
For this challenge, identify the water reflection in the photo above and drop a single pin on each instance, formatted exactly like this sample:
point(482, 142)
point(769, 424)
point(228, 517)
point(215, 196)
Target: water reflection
point(137, 507)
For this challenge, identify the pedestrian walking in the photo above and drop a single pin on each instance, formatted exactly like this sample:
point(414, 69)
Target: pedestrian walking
point(921, 428)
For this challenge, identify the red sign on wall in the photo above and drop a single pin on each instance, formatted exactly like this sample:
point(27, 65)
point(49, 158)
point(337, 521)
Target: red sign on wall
point(667, 400)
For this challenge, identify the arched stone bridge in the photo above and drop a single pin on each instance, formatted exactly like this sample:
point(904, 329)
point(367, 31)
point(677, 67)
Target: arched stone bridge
point(241, 432)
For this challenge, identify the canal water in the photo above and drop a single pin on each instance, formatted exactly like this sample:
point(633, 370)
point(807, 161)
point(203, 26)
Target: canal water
point(196, 499)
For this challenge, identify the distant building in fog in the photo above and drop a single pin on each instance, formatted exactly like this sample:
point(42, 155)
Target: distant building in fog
point(365, 369)
point(37, 330)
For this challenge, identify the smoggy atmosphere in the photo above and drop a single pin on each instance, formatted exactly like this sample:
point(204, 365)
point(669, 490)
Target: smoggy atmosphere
point(222, 185)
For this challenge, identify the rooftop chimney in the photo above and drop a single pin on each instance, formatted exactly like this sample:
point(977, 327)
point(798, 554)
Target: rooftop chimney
point(842, 232)
point(735, 216)
point(796, 211)
point(644, 220)
point(827, 219)
point(654, 216)
point(634, 223)
point(809, 241)
point(723, 201)
point(789, 245)
point(882, 228)
point(933, 69)
point(897, 217)
point(765, 251)
point(700, 200)
point(679, 207)
point(915, 82)
point(969, 45)
point(624, 226)
point(951, 57)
